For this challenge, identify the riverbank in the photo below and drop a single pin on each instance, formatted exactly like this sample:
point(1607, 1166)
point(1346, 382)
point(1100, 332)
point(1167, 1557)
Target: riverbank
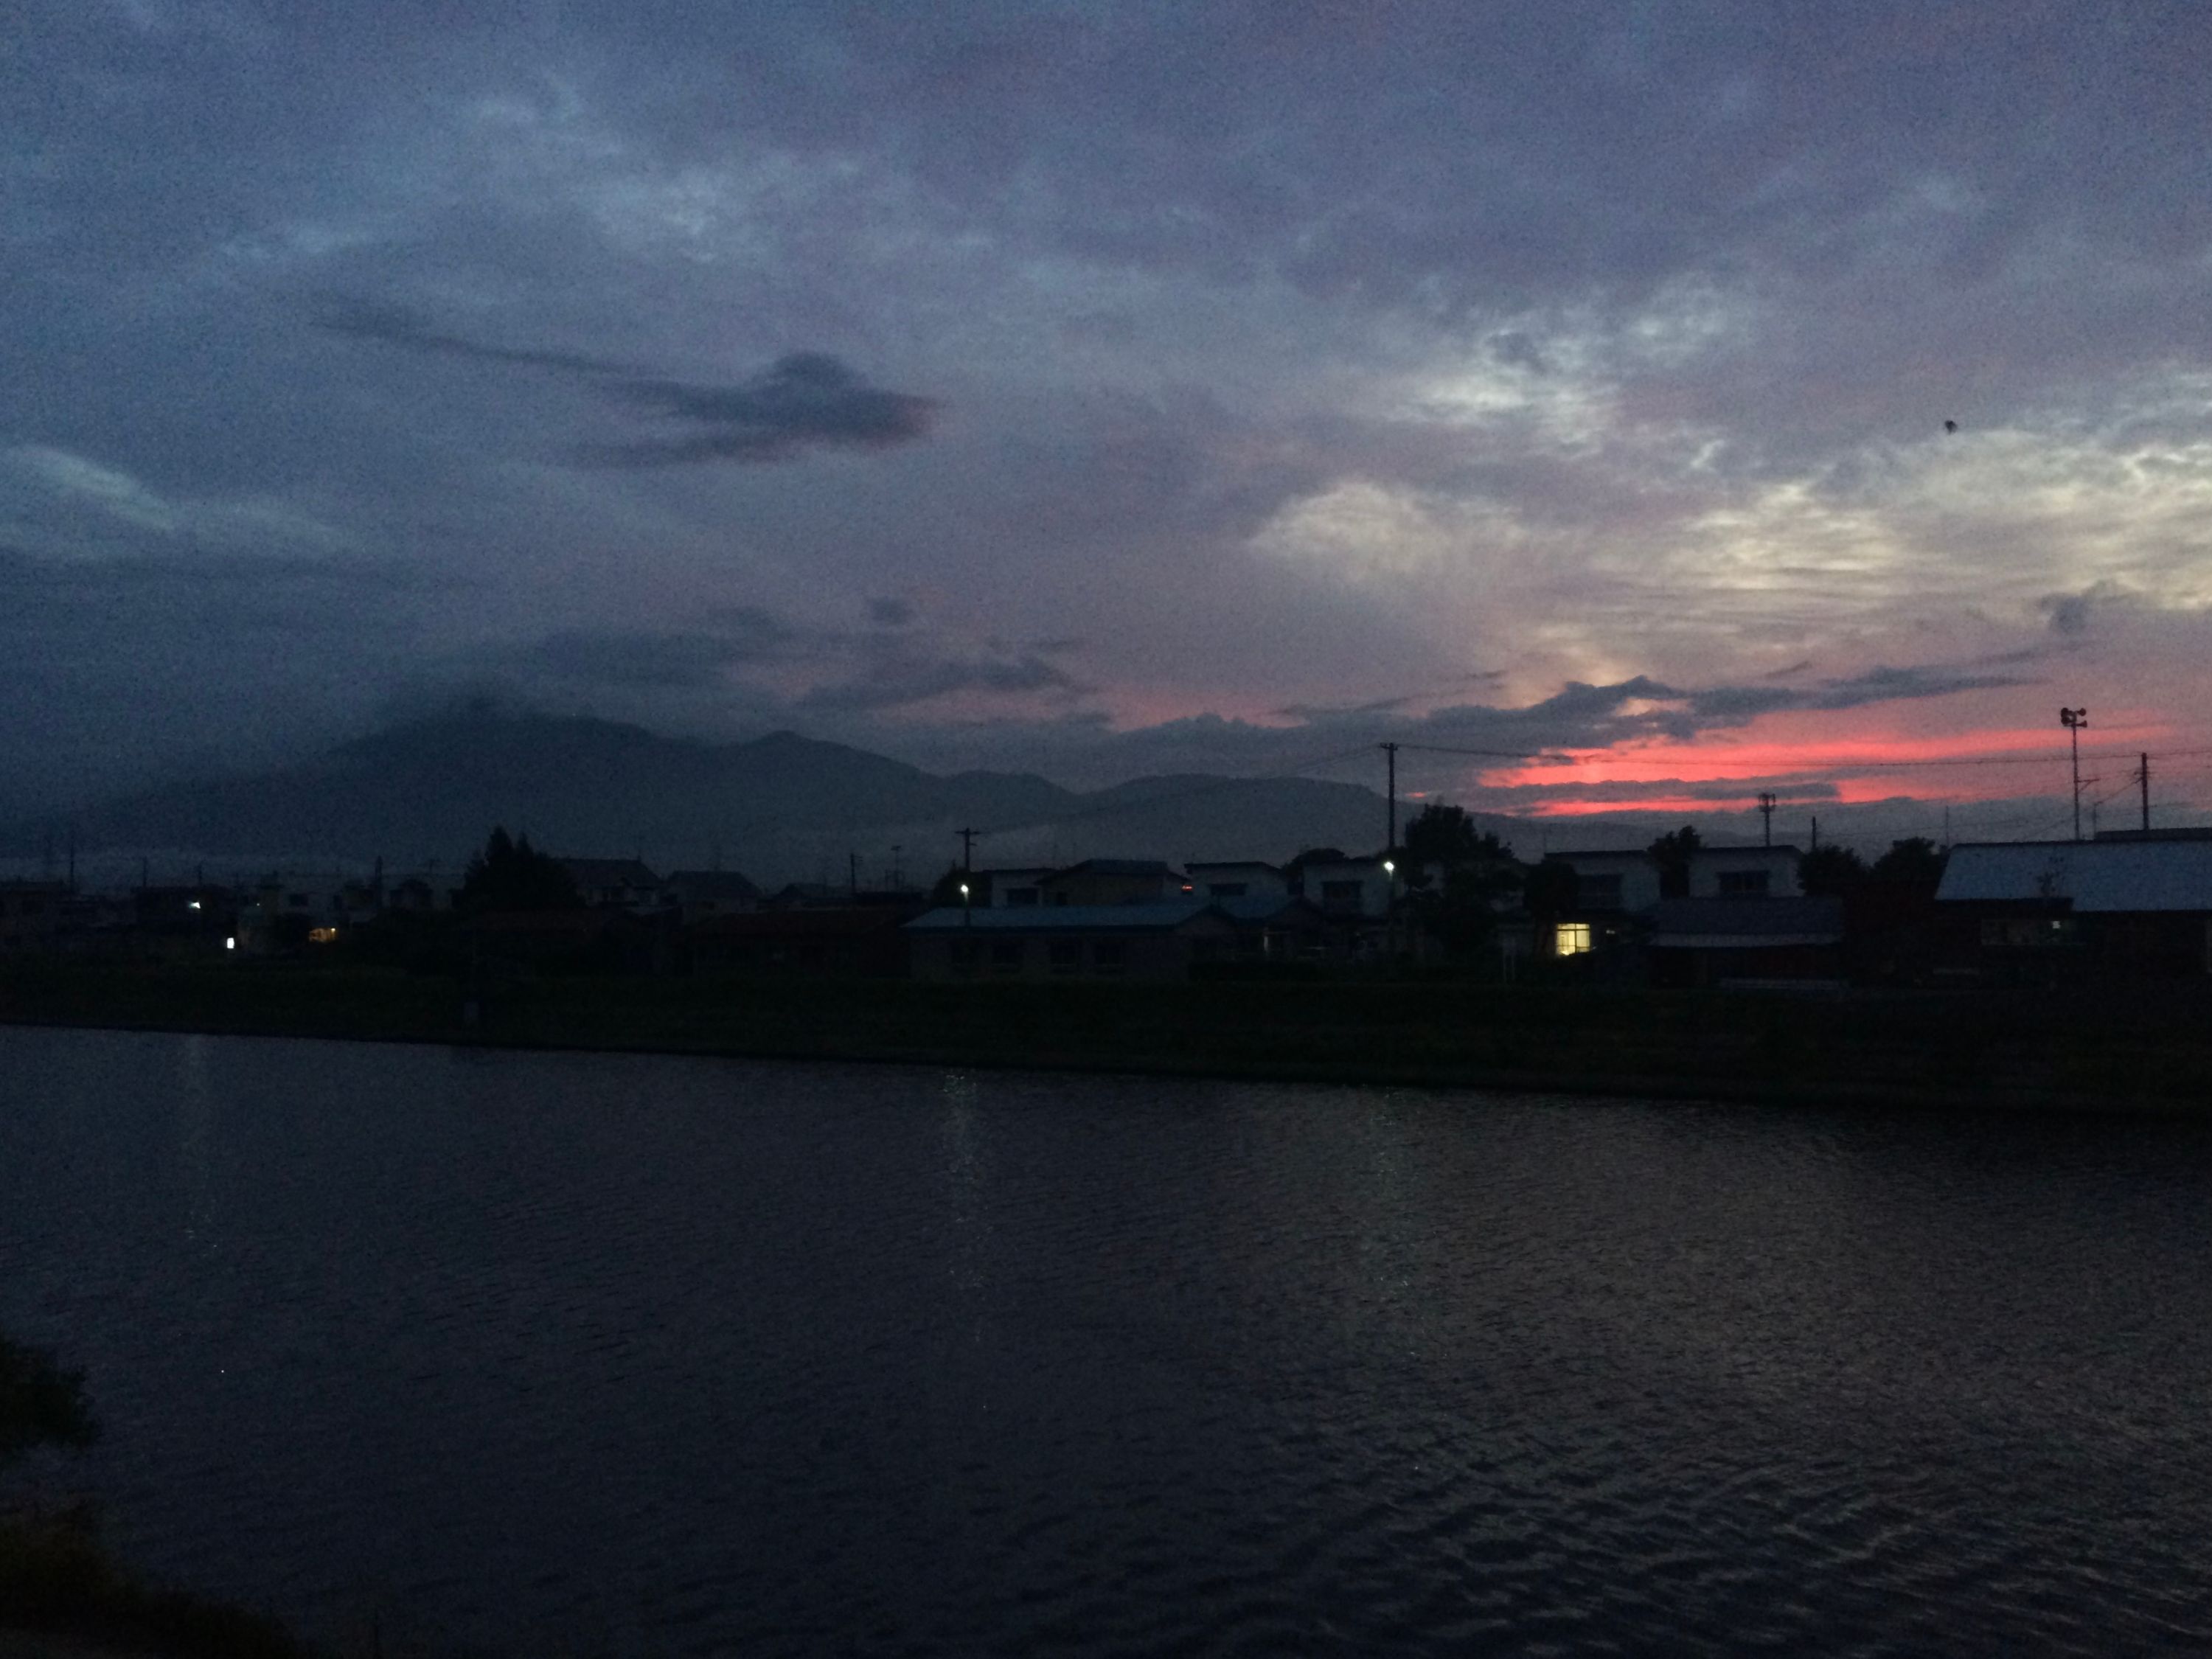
point(2139, 1047)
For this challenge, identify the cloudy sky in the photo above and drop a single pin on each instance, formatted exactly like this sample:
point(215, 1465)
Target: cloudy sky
point(1108, 389)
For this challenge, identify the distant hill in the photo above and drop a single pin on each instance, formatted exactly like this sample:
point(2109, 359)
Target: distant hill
point(778, 807)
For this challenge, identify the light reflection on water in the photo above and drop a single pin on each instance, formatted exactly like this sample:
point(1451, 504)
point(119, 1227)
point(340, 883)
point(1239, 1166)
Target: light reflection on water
point(632, 1355)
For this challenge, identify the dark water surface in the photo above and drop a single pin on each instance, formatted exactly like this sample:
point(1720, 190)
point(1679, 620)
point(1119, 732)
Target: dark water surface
point(620, 1355)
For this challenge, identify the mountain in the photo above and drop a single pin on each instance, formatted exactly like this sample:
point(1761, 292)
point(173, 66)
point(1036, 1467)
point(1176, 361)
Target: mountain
point(778, 807)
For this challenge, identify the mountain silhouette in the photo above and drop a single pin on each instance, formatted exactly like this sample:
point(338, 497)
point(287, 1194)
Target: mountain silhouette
point(778, 807)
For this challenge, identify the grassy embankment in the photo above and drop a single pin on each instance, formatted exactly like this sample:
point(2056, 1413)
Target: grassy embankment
point(60, 1591)
point(2140, 1045)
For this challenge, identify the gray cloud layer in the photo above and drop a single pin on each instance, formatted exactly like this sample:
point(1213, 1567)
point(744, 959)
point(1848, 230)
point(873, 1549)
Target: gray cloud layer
point(1300, 355)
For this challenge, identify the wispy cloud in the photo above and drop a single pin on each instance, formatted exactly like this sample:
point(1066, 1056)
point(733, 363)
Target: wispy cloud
point(806, 400)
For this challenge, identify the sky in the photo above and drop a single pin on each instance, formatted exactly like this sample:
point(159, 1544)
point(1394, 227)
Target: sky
point(1680, 401)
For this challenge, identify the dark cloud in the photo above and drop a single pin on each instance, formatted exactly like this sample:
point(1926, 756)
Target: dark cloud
point(397, 325)
point(901, 678)
point(808, 400)
point(641, 661)
point(805, 400)
point(2069, 615)
point(889, 613)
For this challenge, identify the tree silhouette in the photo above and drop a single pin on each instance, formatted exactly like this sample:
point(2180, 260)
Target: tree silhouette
point(1830, 870)
point(40, 1404)
point(1671, 852)
point(510, 874)
point(1916, 861)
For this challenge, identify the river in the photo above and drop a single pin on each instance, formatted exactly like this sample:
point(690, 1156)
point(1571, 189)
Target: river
point(523, 1353)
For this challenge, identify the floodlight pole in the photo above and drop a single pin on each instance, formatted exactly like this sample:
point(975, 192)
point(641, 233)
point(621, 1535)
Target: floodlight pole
point(1766, 812)
point(2074, 719)
point(1390, 842)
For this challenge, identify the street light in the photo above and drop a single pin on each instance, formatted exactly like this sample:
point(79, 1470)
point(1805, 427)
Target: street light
point(1390, 908)
point(2074, 719)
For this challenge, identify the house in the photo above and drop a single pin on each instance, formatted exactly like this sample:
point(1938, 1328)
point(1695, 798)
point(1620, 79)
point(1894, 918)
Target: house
point(1022, 885)
point(1276, 929)
point(805, 942)
point(31, 915)
point(615, 883)
point(1349, 888)
point(1747, 942)
point(1156, 941)
point(1112, 881)
point(1742, 873)
point(184, 921)
point(2133, 907)
point(1612, 882)
point(697, 894)
point(1246, 879)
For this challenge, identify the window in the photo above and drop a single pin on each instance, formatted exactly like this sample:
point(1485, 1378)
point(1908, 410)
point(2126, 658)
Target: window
point(1110, 956)
point(1060, 898)
point(1005, 956)
point(1020, 896)
point(1572, 938)
point(1743, 883)
point(1064, 955)
point(963, 956)
point(1598, 892)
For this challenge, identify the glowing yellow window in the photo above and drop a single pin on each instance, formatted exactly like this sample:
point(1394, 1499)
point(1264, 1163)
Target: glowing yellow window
point(1572, 938)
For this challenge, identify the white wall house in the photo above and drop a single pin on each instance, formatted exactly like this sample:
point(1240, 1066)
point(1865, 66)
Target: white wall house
point(1744, 872)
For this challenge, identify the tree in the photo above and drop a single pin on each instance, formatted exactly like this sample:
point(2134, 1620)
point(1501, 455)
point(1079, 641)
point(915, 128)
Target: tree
point(1916, 861)
point(510, 874)
point(1830, 870)
point(1671, 852)
point(1439, 834)
point(947, 890)
point(40, 1404)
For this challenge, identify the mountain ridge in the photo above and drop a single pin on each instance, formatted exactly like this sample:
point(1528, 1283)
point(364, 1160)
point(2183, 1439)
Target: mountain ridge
point(781, 806)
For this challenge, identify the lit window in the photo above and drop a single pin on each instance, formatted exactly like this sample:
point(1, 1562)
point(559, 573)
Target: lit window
point(322, 935)
point(1572, 938)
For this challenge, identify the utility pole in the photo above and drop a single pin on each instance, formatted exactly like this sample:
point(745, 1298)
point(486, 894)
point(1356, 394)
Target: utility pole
point(1816, 832)
point(897, 874)
point(1767, 814)
point(2142, 778)
point(2074, 719)
point(853, 874)
point(968, 849)
point(1390, 753)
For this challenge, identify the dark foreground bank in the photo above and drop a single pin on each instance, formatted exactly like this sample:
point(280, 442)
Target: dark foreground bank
point(2140, 1047)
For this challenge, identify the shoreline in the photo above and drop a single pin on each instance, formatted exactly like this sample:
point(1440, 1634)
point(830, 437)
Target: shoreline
point(1938, 1052)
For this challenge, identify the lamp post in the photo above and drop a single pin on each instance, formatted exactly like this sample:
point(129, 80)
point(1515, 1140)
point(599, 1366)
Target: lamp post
point(1390, 910)
point(2074, 719)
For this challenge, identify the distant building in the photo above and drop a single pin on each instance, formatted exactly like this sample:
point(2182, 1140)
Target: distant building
point(1023, 884)
point(1616, 881)
point(1746, 942)
point(696, 895)
point(1249, 879)
point(1348, 888)
point(803, 942)
point(1112, 881)
point(1741, 872)
point(31, 915)
point(2138, 907)
point(615, 883)
point(1154, 941)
